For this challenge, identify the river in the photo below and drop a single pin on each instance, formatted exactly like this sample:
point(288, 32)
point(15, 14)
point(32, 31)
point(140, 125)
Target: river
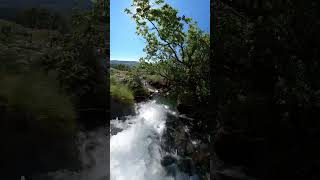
point(136, 149)
point(136, 145)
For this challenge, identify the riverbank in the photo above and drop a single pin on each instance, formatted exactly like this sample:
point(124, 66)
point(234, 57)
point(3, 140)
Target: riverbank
point(181, 152)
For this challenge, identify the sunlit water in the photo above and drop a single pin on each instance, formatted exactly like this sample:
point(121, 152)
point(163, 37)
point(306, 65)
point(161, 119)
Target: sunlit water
point(135, 151)
point(135, 147)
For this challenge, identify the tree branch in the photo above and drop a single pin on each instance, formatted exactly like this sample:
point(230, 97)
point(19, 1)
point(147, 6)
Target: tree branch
point(168, 43)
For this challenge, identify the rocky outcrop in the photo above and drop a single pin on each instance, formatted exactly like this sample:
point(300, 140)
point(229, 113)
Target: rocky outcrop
point(120, 109)
point(192, 155)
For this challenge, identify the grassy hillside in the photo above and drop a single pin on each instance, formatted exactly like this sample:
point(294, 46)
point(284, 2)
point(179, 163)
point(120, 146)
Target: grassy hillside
point(21, 47)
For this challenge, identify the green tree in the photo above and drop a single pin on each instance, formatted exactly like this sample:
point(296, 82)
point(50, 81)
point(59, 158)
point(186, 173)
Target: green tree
point(122, 67)
point(178, 53)
point(80, 59)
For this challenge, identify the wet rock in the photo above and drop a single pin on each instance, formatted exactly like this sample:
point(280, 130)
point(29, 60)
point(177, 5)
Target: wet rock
point(204, 147)
point(180, 139)
point(172, 170)
point(186, 166)
point(184, 109)
point(183, 176)
point(233, 174)
point(115, 130)
point(202, 154)
point(169, 164)
point(190, 148)
point(168, 160)
point(120, 109)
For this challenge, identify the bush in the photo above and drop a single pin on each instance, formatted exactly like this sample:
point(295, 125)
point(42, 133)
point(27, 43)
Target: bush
point(121, 93)
point(38, 115)
point(137, 87)
point(39, 97)
point(121, 67)
point(155, 80)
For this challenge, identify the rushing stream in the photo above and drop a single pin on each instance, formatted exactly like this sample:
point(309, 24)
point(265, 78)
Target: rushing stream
point(135, 146)
point(136, 152)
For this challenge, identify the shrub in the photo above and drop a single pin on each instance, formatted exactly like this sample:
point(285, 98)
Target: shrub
point(121, 93)
point(48, 109)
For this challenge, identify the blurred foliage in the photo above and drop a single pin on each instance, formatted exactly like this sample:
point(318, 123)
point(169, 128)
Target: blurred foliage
point(79, 60)
point(47, 78)
point(42, 18)
point(265, 69)
point(40, 98)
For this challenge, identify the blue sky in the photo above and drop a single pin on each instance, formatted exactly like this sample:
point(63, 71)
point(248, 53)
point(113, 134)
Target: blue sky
point(126, 45)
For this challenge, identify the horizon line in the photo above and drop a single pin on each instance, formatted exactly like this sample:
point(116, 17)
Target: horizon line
point(122, 60)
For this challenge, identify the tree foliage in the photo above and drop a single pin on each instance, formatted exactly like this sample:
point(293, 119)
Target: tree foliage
point(176, 48)
point(80, 61)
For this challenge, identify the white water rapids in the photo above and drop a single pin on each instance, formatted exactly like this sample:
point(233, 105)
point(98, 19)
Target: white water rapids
point(135, 151)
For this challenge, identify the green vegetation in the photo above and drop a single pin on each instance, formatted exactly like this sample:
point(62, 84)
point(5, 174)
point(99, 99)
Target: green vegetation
point(177, 63)
point(122, 67)
point(48, 108)
point(126, 86)
point(49, 77)
point(119, 90)
point(155, 79)
point(121, 93)
point(177, 57)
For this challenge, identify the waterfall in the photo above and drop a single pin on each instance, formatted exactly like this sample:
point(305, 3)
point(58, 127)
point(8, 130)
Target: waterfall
point(135, 149)
point(135, 152)
point(135, 146)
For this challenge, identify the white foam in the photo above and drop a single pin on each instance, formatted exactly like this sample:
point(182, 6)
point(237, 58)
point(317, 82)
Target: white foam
point(135, 152)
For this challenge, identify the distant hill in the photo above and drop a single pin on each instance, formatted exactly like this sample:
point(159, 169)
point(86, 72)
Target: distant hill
point(129, 63)
point(9, 8)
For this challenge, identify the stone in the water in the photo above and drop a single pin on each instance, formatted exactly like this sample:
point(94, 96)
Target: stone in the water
point(186, 166)
point(183, 176)
point(168, 160)
point(169, 163)
point(115, 130)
